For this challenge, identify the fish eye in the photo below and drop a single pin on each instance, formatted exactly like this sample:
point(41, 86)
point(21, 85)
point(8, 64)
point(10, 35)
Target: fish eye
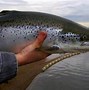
point(83, 38)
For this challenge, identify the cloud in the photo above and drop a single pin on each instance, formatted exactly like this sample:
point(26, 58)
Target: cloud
point(78, 10)
point(12, 2)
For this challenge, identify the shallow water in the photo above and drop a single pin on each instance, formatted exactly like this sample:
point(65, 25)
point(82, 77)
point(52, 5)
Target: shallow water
point(69, 74)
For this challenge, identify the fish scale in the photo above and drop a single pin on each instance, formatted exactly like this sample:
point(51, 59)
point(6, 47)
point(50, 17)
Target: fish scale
point(17, 28)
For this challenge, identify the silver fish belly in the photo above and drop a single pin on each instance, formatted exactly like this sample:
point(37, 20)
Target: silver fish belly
point(19, 29)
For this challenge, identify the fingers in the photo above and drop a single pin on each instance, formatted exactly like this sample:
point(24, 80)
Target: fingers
point(36, 44)
point(40, 39)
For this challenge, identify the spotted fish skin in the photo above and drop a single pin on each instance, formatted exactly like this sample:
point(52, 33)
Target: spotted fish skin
point(18, 29)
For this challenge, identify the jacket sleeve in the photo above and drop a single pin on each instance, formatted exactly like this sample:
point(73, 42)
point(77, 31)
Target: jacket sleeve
point(8, 66)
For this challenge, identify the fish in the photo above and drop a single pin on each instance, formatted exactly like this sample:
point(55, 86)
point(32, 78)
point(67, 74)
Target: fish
point(19, 28)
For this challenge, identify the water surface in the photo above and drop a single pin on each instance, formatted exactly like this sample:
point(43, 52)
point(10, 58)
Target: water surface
point(69, 74)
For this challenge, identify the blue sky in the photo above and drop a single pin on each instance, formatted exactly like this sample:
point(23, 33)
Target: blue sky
point(76, 10)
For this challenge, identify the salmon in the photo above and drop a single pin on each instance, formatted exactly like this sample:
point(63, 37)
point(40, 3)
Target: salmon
point(19, 28)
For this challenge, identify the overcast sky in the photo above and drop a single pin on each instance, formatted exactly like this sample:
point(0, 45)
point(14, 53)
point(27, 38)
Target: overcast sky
point(76, 10)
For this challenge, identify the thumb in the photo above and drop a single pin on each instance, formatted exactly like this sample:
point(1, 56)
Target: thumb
point(36, 44)
point(40, 39)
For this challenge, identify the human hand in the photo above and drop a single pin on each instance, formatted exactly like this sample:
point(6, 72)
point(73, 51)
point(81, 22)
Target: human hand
point(30, 54)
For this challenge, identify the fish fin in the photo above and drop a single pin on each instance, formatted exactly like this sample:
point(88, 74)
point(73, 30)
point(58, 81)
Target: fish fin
point(53, 48)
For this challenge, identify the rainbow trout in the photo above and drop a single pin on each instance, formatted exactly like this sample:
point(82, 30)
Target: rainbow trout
point(18, 29)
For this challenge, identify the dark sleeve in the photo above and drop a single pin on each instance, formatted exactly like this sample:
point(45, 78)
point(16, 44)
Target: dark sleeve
point(8, 66)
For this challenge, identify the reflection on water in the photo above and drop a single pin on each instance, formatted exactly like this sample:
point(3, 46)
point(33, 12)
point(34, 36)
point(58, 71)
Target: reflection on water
point(69, 74)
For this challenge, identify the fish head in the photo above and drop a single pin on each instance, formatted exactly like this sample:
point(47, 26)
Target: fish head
point(72, 42)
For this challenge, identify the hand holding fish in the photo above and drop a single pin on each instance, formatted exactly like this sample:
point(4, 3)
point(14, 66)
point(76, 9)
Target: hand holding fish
point(30, 54)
